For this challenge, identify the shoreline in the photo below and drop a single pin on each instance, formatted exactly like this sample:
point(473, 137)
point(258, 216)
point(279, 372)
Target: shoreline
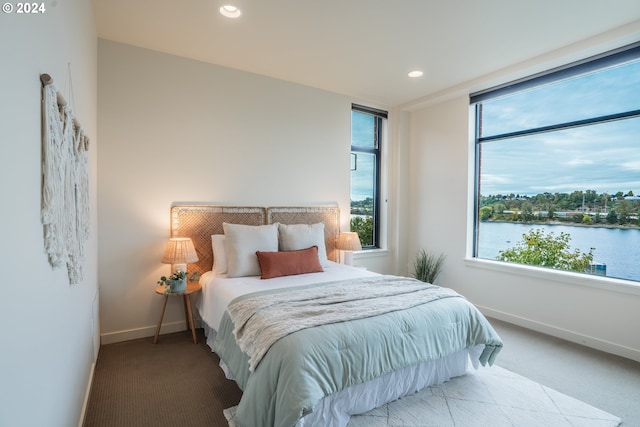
point(569, 224)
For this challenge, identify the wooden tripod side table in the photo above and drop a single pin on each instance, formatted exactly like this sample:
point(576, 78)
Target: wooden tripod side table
point(192, 287)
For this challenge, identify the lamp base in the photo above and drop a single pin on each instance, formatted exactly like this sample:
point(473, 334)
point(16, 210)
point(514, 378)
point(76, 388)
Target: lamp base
point(348, 257)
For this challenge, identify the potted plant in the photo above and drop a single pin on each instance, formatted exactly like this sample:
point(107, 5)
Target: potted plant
point(177, 282)
point(427, 266)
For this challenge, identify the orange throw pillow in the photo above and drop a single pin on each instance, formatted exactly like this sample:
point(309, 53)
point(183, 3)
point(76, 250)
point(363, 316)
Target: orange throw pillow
point(288, 263)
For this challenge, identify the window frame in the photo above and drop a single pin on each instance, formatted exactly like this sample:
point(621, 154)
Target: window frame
point(591, 64)
point(380, 118)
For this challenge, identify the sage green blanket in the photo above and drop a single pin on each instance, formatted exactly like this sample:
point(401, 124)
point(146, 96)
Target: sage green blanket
point(302, 367)
point(260, 320)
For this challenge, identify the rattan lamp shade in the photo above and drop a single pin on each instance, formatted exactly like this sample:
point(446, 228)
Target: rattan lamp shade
point(349, 241)
point(179, 250)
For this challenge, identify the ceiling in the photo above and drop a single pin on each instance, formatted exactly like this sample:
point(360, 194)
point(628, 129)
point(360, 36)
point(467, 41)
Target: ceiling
point(363, 48)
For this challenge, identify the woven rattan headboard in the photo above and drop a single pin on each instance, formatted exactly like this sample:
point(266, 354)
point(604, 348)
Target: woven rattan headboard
point(200, 222)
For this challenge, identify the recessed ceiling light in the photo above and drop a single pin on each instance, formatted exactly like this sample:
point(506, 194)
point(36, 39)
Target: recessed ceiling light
point(415, 73)
point(230, 11)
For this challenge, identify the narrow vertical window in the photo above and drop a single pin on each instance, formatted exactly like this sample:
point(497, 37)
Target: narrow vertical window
point(366, 137)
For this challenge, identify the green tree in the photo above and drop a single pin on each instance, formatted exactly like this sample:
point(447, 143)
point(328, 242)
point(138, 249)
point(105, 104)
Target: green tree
point(547, 250)
point(486, 212)
point(624, 210)
point(551, 213)
point(576, 199)
point(364, 227)
point(563, 202)
point(612, 217)
point(498, 208)
point(527, 211)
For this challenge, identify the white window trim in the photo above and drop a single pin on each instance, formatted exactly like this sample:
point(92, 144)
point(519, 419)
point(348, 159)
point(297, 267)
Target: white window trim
point(371, 253)
point(566, 277)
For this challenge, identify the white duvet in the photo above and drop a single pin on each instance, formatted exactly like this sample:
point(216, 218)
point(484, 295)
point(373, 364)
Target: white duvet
point(219, 290)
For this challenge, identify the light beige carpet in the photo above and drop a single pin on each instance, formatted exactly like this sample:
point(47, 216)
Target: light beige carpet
point(487, 397)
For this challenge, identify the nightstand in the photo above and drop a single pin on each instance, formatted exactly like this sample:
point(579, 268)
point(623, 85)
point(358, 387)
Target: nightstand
point(192, 287)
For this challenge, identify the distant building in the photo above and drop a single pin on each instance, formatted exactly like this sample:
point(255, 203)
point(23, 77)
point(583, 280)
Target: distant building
point(597, 268)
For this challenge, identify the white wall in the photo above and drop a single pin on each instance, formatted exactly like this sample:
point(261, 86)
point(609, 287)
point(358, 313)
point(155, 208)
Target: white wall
point(238, 138)
point(173, 129)
point(599, 312)
point(47, 336)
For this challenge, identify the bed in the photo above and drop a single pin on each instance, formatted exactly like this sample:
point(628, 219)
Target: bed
point(317, 341)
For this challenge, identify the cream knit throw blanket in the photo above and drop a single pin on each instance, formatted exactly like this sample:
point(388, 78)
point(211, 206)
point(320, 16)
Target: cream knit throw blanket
point(261, 320)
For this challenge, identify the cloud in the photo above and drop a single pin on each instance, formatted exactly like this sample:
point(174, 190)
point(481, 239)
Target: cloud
point(603, 157)
point(489, 179)
point(579, 162)
point(632, 166)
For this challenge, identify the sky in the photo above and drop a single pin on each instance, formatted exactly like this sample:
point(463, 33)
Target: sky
point(362, 177)
point(604, 158)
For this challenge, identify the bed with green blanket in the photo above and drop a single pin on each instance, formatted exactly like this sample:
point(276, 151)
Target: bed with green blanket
point(288, 349)
point(314, 348)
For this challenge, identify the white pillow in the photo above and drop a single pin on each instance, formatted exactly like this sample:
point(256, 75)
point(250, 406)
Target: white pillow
point(242, 242)
point(293, 237)
point(219, 254)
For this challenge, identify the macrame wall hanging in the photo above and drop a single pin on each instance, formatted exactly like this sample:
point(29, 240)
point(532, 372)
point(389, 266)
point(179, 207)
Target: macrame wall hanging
point(65, 182)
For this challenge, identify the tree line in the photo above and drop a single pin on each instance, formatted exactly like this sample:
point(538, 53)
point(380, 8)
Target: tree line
point(583, 207)
point(363, 223)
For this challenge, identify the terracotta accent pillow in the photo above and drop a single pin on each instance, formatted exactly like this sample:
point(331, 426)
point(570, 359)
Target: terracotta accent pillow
point(288, 263)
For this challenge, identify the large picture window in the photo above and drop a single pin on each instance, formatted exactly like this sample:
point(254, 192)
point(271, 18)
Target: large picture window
point(366, 138)
point(558, 168)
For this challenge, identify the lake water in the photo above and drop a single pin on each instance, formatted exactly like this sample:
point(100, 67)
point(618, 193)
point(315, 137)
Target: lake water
point(618, 248)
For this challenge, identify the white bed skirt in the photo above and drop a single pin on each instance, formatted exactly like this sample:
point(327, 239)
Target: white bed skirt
point(336, 410)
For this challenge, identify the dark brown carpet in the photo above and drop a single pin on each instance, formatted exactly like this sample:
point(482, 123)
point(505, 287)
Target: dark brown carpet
point(138, 383)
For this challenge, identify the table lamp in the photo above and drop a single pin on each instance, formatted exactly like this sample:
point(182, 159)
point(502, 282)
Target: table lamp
point(348, 242)
point(179, 252)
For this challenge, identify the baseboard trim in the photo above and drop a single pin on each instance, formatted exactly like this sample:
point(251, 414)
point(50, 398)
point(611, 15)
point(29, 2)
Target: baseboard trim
point(586, 340)
point(148, 331)
point(87, 393)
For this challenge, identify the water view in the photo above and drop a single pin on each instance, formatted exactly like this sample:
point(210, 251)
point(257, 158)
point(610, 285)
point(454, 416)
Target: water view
point(618, 248)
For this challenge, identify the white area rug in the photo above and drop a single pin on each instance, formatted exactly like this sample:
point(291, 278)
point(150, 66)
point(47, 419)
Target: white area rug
point(486, 397)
